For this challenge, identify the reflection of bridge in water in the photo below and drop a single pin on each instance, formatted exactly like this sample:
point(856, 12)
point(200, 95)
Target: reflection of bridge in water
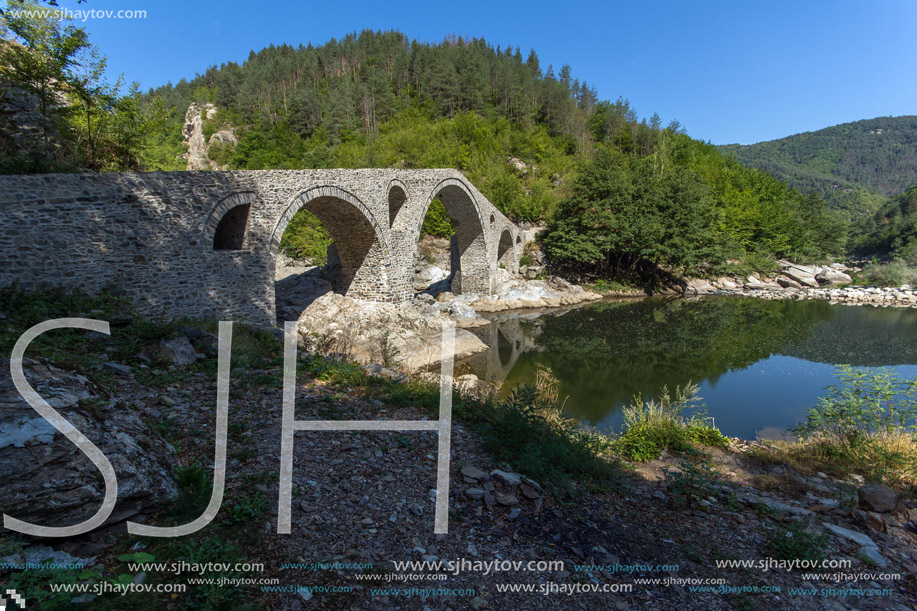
point(507, 339)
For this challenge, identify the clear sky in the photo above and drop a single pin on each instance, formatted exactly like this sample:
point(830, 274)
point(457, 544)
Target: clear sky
point(730, 71)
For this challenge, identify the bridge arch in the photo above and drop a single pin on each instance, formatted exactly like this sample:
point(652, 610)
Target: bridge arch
point(506, 252)
point(358, 261)
point(471, 270)
point(397, 196)
point(226, 226)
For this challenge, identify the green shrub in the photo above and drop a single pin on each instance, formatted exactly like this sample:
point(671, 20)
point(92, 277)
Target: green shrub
point(527, 431)
point(437, 222)
point(867, 401)
point(705, 435)
point(221, 119)
point(248, 509)
point(690, 482)
point(894, 273)
point(653, 426)
point(336, 371)
point(866, 425)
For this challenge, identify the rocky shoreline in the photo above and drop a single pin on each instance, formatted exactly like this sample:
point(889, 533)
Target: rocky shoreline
point(367, 497)
point(827, 283)
point(408, 335)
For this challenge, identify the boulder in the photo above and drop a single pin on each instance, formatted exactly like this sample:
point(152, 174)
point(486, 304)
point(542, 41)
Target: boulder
point(48, 481)
point(207, 343)
point(375, 369)
point(788, 283)
point(753, 282)
point(873, 556)
point(397, 335)
point(833, 277)
point(851, 535)
point(700, 286)
point(811, 270)
point(878, 498)
point(803, 276)
point(179, 350)
point(431, 274)
point(507, 477)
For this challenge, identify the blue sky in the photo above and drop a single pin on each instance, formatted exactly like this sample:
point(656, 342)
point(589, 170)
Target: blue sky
point(736, 71)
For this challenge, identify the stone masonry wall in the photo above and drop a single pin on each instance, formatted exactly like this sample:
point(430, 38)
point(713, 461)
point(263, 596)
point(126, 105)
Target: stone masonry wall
point(152, 234)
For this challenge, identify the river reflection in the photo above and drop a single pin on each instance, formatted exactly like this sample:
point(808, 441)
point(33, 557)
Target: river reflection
point(760, 364)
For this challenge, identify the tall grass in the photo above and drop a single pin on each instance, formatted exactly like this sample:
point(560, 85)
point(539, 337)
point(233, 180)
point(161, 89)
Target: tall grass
point(867, 425)
point(659, 424)
point(529, 431)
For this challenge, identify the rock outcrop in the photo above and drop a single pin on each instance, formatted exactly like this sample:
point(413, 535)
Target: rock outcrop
point(394, 335)
point(198, 154)
point(513, 292)
point(48, 481)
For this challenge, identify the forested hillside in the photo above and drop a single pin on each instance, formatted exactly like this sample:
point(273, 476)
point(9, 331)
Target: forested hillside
point(622, 195)
point(854, 166)
point(892, 231)
point(521, 132)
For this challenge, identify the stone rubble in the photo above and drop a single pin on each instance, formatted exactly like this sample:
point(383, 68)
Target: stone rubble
point(806, 282)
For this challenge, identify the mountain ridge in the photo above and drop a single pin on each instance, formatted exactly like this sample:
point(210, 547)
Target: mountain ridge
point(856, 166)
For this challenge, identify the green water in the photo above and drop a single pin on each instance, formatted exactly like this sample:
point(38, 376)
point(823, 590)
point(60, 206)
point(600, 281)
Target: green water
point(760, 364)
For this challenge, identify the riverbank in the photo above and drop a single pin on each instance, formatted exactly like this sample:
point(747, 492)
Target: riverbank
point(829, 283)
point(899, 297)
point(526, 486)
point(408, 335)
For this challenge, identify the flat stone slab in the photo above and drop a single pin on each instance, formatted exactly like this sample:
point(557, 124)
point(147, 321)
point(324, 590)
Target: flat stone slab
point(851, 535)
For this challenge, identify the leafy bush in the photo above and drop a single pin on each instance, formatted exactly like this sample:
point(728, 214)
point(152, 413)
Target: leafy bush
point(895, 273)
point(437, 222)
point(867, 425)
point(221, 119)
point(653, 426)
point(306, 237)
point(690, 482)
point(867, 401)
point(336, 371)
point(247, 509)
point(527, 430)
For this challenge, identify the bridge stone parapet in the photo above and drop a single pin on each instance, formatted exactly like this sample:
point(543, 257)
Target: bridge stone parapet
point(205, 243)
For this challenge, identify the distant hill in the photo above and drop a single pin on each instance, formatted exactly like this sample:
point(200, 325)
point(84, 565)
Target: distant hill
point(854, 166)
point(892, 231)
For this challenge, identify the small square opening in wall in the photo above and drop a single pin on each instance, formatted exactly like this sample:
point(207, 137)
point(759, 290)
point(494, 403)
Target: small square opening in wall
point(230, 232)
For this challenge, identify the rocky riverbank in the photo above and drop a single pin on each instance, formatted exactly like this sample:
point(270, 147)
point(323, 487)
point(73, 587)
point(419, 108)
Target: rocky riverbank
point(514, 293)
point(408, 335)
point(364, 500)
point(830, 283)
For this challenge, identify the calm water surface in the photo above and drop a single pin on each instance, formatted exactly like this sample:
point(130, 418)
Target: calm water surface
point(760, 364)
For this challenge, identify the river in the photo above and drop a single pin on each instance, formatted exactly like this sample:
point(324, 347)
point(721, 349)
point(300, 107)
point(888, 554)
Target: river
point(760, 364)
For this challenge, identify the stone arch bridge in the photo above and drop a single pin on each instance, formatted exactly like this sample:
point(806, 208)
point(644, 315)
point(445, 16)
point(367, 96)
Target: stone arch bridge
point(205, 243)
